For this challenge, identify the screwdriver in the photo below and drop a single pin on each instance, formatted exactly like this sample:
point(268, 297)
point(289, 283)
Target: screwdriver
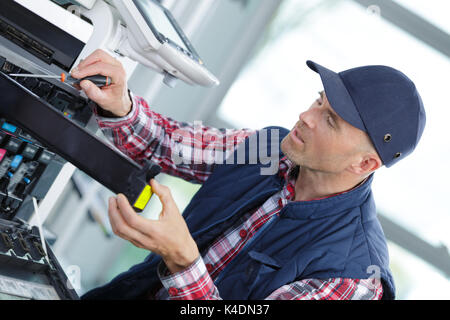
point(98, 80)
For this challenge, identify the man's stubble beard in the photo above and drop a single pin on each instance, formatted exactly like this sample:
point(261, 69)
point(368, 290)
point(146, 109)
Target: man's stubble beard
point(299, 159)
point(288, 152)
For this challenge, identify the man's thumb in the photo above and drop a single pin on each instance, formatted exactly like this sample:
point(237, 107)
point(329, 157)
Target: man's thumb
point(162, 192)
point(92, 91)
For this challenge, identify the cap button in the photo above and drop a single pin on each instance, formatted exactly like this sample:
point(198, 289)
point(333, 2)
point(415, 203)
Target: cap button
point(397, 155)
point(387, 137)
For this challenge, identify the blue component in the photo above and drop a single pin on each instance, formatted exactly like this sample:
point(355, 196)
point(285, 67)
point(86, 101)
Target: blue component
point(25, 140)
point(9, 127)
point(27, 181)
point(9, 174)
point(16, 162)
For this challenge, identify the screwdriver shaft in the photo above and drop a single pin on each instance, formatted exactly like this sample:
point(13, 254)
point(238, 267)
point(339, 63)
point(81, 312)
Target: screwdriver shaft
point(98, 80)
point(34, 76)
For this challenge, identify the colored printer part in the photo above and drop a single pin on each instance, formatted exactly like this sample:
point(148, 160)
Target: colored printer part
point(2, 154)
point(23, 162)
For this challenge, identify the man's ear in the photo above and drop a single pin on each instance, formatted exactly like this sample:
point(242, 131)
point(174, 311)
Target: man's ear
point(367, 164)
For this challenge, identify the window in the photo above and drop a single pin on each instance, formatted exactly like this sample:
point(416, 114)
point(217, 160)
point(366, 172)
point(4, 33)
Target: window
point(435, 11)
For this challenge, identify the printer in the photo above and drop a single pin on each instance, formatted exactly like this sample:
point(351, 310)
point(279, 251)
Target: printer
point(47, 128)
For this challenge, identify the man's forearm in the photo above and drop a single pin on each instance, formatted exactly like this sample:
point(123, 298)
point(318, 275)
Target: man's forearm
point(184, 150)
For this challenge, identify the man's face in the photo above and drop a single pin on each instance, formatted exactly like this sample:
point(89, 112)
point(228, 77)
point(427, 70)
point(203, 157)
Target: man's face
point(321, 140)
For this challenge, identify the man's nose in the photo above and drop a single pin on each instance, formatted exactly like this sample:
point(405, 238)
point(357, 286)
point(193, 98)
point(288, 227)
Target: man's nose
point(307, 118)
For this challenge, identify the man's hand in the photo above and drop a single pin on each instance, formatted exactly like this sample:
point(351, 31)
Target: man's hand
point(114, 97)
point(168, 237)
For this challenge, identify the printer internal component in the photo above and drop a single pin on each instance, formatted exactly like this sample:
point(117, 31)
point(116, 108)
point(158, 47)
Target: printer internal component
point(39, 37)
point(23, 162)
point(27, 271)
point(73, 107)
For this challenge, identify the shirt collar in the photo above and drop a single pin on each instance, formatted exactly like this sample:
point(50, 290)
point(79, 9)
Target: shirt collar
point(288, 171)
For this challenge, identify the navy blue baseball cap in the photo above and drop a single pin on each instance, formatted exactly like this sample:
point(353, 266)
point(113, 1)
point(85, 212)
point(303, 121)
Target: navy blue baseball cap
point(381, 101)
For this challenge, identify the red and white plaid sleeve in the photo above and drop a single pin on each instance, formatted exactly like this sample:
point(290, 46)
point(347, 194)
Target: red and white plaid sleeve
point(330, 289)
point(185, 150)
point(195, 283)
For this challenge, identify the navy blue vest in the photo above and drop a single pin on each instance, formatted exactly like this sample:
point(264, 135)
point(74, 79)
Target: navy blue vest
point(337, 237)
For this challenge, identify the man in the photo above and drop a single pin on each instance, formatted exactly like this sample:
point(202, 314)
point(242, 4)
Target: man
point(307, 231)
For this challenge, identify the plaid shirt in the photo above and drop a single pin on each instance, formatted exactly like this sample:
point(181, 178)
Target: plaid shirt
point(145, 134)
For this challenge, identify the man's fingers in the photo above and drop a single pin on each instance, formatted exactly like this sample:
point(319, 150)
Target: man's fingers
point(137, 244)
point(103, 96)
point(119, 225)
point(130, 216)
point(114, 97)
point(116, 73)
point(93, 92)
point(98, 55)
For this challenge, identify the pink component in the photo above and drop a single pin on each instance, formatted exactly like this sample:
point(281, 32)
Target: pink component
point(2, 154)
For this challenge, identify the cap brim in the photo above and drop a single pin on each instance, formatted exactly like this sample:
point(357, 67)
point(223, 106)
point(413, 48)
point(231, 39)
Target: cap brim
point(338, 96)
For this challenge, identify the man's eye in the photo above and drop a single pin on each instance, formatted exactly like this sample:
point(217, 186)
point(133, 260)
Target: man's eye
point(320, 98)
point(330, 121)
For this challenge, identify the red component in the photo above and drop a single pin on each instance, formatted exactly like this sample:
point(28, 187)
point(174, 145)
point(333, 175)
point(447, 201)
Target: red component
point(2, 154)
